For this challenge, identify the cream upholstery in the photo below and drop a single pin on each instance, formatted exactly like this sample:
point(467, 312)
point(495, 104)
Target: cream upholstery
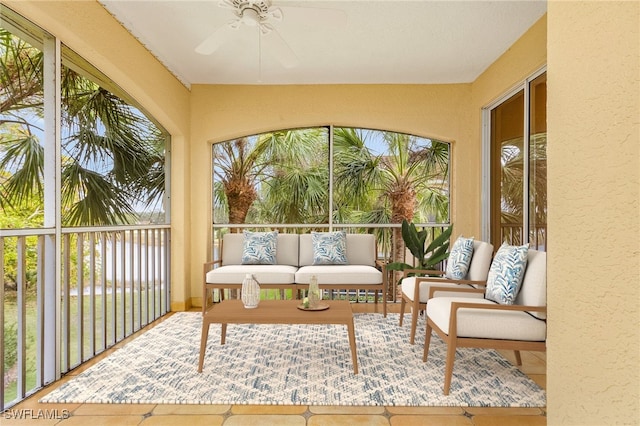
point(271, 274)
point(361, 250)
point(486, 324)
point(339, 274)
point(417, 298)
point(294, 266)
point(465, 322)
point(286, 249)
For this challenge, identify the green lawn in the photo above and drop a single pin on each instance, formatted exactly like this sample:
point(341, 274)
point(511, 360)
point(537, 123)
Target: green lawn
point(72, 355)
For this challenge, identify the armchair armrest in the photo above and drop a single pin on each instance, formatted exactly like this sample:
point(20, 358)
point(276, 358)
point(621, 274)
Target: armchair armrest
point(434, 289)
point(406, 272)
point(497, 307)
point(450, 281)
point(455, 306)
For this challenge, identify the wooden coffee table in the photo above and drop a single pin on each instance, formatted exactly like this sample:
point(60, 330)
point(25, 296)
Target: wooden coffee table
point(277, 312)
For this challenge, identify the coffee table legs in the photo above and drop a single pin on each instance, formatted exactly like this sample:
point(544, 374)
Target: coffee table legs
point(352, 343)
point(203, 344)
point(223, 334)
point(205, 337)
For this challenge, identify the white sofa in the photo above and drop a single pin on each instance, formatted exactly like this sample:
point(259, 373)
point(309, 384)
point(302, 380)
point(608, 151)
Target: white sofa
point(294, 267)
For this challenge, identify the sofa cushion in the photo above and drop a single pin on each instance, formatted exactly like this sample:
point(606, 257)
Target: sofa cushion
point(361, 249)
point(409, 284)
point(459, 258)
point(329, 248)
point(486, 324)
point(506, 273)
point(286, 249)
point(264, 274)
point(259, 248)
point(339, 274)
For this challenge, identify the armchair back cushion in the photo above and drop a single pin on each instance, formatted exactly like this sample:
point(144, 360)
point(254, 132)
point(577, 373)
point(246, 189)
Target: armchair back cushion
point(534, 285)
point(480, 261)
point(286, 249)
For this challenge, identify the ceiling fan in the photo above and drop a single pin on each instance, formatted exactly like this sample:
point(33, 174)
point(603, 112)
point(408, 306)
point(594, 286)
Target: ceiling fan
point(262, 14)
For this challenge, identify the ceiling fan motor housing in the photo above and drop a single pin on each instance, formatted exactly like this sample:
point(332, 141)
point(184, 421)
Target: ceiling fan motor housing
point(251, 12)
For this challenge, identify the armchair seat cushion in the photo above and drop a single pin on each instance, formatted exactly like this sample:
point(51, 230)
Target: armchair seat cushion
point(409, 284)
point(486, 324)
point(265, 274)
point(340, 274)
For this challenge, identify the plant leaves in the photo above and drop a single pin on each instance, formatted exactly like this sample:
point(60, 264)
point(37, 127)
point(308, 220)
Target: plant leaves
point(440, 239)
point(398, 266)
point(412, 239)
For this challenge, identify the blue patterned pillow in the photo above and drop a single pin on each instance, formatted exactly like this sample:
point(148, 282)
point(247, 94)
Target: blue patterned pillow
point(506, 273)
point(329, 248)
point(259, 248)
point(459, 258)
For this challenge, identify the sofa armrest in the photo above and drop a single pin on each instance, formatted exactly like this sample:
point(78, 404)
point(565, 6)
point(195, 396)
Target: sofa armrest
point(206, 268)
point(210, 265)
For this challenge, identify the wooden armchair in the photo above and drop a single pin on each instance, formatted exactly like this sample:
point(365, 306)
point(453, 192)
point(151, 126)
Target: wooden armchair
point(482, 323)
point(415, 290)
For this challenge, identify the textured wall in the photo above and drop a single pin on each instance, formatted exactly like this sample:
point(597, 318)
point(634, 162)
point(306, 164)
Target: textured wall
point(450, 112)
point(225, 112)
point(594, 162)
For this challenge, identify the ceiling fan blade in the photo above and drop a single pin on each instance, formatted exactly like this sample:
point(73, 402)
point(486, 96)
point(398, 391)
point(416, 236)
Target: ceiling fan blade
point(274, 14)
point(279, 48)
point(215, 40)
point(315, 16)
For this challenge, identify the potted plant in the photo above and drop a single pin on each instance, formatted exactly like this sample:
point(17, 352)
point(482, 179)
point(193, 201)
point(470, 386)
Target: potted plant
point(427, 257)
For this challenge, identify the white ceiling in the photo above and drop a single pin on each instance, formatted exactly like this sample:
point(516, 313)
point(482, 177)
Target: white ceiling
point(374, 41)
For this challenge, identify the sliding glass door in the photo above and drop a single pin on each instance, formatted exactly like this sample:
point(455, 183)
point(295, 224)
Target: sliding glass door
point(518, 166)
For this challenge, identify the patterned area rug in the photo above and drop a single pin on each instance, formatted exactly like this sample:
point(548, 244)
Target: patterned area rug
point(296, 365)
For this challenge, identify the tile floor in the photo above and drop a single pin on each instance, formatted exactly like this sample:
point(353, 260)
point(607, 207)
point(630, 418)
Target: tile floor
point(34, 413)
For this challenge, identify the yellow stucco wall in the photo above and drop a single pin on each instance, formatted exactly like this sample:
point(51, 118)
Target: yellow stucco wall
point(593, 364)
point(593, 81)
point(223, 112)
point(448, 112)
point(87, 28)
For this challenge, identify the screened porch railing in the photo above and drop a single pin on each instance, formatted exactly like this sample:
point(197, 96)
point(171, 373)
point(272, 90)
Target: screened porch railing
point(70, 300)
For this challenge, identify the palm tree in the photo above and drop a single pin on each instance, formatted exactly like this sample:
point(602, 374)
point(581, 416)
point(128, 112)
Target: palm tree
point(409, 179)
point(278, 177)
point(512, 187)
point(113, 156)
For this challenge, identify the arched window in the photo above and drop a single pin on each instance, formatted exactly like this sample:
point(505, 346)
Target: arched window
point(330, 176)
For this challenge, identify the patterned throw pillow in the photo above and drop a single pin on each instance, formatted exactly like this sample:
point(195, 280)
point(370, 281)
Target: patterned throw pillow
point(506, 273)
point(329, 248)
point(259, 248)
point(459, 258)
